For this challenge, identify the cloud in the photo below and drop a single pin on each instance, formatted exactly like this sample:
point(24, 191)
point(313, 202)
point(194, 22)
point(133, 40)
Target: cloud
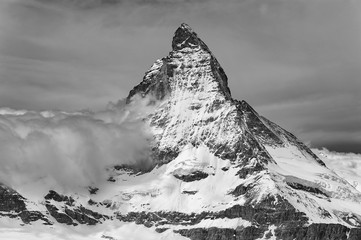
point(71, 150)
point(91, 4)
point(346, 165)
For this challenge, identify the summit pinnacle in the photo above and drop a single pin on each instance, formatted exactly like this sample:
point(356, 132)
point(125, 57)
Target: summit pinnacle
point(189, 61)
point(185, 37)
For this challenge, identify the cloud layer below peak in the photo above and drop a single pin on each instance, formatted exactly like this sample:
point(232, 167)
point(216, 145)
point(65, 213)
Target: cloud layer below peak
point(70, 150)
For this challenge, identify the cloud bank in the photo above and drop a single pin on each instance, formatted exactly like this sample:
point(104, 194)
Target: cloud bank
point(346, 165)
point(71, 149)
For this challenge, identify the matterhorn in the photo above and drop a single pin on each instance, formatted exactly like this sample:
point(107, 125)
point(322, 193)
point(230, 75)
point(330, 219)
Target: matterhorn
point(220, 171)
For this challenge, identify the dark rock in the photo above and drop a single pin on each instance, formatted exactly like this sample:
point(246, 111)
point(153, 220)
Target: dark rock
point(93, 190)
point(266, 213)
point(52, 195)
point(249, 170)
point(240, 190)
point(225, 169)
point(165, 155)
point(293, 140)
point(59, 217)
point(185, 37)
point(154, 83)
point(160, 230)
point(351, 218)
point(126, 168)
point(194, 176)
point(32, 216)
point(189, 192)
point(135, 169)
point(80, 216)
point(220, 76)
point(12, 204)
point(92, 213)
point(310, 189)
point(10, 200)
point(319, 231)
point(256, 126)
point(326, 231)
point(111, 179)
point(284, 232)
point(355, 234)
point(92, 202)
point(107, 237)
point(214, 233)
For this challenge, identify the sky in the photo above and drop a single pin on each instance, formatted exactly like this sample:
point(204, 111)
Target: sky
point(297, 62)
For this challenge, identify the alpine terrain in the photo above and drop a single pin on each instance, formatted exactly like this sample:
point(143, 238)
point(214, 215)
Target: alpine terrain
point(219, 170)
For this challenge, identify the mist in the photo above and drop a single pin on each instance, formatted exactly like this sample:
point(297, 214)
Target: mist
point(71, 150)
point(346, 165)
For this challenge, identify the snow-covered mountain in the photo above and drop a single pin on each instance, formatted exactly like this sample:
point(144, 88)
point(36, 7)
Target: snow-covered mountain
point(219, 170)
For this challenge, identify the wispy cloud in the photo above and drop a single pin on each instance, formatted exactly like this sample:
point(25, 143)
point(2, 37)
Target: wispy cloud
point(346, 165)
point(71, 150)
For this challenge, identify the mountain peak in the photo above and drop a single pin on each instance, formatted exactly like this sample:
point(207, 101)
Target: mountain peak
point(222, 170)
point(185, 37)
point(190, 66)
point(186, 27)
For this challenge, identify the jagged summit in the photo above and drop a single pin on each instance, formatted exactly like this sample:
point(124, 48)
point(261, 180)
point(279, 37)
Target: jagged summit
point(185, 37)
point(190, 66)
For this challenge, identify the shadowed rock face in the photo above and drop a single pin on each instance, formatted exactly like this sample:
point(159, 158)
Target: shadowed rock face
point(194, 176)
point(289, 222)
point(13, 205)
point(52, 195)
point(263, 214)
point(314, 231)
point(70, 213)
point(185, 41)
point(11, 200)
point(185, 37)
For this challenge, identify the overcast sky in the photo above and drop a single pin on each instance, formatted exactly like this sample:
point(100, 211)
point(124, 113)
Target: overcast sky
point(297, 62)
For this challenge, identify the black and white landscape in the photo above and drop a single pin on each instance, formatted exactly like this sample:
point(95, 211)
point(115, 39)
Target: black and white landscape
point(181, 155)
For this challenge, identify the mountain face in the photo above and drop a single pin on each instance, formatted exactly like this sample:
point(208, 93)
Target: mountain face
point(221, 170)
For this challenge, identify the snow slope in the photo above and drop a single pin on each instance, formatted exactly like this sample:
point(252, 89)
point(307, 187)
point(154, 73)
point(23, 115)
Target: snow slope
point(346, 165)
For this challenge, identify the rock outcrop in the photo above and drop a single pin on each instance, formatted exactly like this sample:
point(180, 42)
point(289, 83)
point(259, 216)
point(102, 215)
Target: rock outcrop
point(71, 213)
point(13, 205)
